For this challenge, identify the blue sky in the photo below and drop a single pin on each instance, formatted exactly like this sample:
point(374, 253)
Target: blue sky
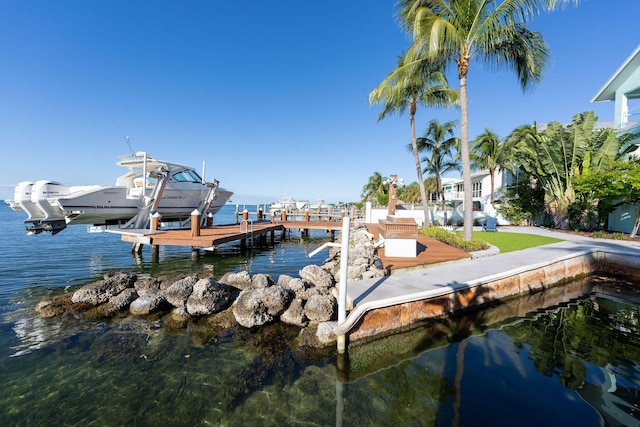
point(273, 95)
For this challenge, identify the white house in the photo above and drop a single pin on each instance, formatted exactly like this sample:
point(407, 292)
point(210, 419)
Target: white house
point(623, 88)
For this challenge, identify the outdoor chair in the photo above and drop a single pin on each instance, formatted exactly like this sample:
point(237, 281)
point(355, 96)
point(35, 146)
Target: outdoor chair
point(491, 224)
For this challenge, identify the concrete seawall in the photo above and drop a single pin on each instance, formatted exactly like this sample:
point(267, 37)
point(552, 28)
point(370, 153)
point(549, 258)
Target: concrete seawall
point(394, 303)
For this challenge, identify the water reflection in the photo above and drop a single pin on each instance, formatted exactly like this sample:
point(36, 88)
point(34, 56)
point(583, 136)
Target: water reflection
point(573, 363)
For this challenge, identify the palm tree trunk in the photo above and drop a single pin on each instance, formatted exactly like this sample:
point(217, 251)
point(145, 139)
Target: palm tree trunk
point(492, 173)
point(464, 155)
point(414, 145)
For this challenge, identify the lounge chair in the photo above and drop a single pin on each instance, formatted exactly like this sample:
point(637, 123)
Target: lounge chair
point(491, 224)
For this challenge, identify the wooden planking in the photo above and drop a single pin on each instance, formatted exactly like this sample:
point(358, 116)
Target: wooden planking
point(429, 251)
point(219, 234)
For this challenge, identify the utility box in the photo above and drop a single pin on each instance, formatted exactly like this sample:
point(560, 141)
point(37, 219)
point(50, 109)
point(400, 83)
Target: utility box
point(399, 236)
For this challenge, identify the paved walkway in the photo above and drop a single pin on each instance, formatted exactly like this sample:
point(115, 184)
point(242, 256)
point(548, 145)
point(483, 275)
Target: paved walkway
point(433, 281)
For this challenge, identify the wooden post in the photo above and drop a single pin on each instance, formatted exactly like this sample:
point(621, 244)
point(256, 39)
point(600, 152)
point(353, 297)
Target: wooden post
point(283, 215)
point(209, 219)
point(195, 223)
point(245, 215)
point(392, 194)
point(259, 214)
point(306, 215)
point(155, 221)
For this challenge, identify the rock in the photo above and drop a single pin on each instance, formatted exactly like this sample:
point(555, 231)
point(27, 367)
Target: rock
point(261, 281)
point(325, 333)
point(101, 291)
point(121, 301)
point(145, 286)
point(276, 299)
point(320, 308)
point(240, 280)
point(178, 292)
point(294, 285)
point(249, 309)
point(147, 304)
point(294, 315)
point(283, 280)
point(208, 297)
point(54, 306)
point(317, 276)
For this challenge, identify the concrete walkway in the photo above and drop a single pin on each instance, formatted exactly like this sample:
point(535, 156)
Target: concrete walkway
point(434, 281)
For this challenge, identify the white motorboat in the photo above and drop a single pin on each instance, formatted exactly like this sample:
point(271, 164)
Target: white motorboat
point(287, 204)
point(174, 191)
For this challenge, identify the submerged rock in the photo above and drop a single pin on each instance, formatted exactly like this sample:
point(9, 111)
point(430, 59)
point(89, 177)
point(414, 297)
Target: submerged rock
point(54, 306)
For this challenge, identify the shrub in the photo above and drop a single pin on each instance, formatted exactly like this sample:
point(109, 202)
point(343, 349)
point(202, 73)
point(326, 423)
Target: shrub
point(454, 239)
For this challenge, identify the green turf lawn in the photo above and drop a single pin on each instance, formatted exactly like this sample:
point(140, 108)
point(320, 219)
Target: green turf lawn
point(509, 242)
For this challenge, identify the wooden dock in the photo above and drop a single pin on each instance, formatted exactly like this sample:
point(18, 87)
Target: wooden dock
point(212, 236)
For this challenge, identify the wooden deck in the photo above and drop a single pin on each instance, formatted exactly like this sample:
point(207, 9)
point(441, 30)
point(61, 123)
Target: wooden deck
point(430, 251)
point(219, 234)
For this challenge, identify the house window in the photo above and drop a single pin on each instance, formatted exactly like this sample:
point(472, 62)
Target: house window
point(477, 189)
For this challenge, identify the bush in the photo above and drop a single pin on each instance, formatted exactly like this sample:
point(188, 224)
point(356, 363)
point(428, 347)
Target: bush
point(454, 239)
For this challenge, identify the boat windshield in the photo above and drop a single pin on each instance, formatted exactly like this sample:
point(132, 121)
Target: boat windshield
point(187, 176)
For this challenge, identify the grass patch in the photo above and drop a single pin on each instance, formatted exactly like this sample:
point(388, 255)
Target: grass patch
point(509, 242)
point(506, 242)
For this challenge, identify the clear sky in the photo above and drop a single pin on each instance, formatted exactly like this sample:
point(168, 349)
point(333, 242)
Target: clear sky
point(273, 95)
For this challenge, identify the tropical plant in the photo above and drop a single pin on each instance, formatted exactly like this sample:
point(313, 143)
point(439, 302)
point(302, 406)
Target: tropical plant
point(439, 143)
point(490, 152)
point(610, 189)
point(408, 86)
point(524, 202)
point(557, 155)
point(493, 32)
point(375, 190)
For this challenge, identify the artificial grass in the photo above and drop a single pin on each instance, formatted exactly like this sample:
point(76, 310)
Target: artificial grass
point(509, 242)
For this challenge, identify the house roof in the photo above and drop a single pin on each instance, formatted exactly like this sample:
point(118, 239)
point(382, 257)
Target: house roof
point(608, 91)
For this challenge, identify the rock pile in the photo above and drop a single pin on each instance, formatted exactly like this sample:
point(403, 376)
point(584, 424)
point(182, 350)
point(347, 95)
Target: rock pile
point(254, 300)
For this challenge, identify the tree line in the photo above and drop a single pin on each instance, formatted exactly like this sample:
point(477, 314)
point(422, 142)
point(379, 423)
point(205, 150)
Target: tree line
point(569, 176)
point(458, 33)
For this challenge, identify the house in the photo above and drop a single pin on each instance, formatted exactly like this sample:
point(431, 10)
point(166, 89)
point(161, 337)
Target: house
point(623, 88)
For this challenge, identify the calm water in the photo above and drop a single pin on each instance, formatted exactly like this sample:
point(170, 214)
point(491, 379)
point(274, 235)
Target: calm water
point(573, 362)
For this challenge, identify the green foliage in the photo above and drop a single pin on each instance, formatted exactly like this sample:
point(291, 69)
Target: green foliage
point(524, 202)
point(559, 154)
point(454, 239)
point(600, 193)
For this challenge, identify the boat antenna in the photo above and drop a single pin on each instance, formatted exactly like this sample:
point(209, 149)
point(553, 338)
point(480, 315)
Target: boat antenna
point(126, 138)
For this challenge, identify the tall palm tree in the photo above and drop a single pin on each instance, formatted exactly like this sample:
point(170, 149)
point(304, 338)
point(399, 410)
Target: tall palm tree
point(489, 151)
point(439, 143)
point(410, 85)
point(491, 31)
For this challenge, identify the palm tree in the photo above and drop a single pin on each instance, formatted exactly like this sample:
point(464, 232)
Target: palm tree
point(490, 152)
point(438, 143)
point(375, 189)
point(493, 32)
point(420, 83)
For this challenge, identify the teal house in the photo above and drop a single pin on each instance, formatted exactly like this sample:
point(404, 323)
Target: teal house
point(623, 88)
